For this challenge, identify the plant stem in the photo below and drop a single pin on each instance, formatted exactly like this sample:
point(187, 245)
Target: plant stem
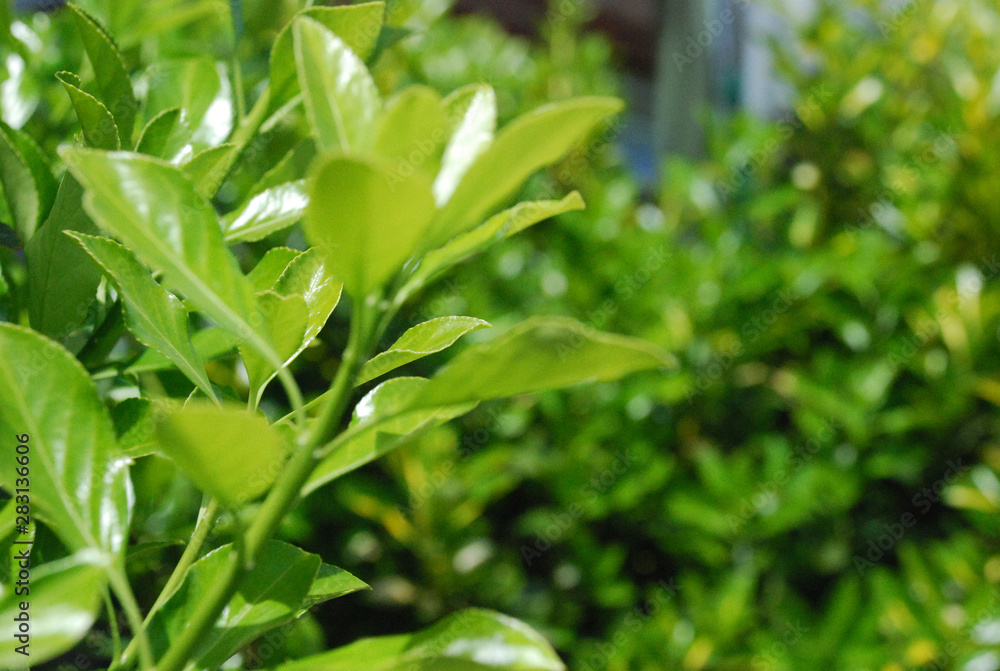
point(120, 584)
point(116, 636)
point(203, 527)
point(285, 492)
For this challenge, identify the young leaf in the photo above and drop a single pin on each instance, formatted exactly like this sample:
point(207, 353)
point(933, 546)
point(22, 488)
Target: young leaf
point(537, 355)
point(113, 87)
point(423, 339)
point(135, 426)
point(357, 25)
point(207, 169)
point(497, 228)
point(285, 319)
point(381, 423)
point(365, 220)
point(331, 583)
point(341, 100)
point(267, 212)
point(99, 129)
point(64, 601)
point(62, 278)
point(272, 594)
point(79, 479)
point(203, 95)
point(475, 110)
point(155, 317)
point(307, 276)
point(228, 452)
point(28, 184)
point(469, 640)
point(413, 130)
point(532, 141)
point(267, 271)
point(164, 135)
point(155, 210)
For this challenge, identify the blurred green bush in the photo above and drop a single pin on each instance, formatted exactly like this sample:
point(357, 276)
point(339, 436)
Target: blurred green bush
point(817, 487)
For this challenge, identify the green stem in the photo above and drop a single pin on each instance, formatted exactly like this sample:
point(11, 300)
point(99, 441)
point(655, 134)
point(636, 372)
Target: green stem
point(116, 636)
point(285, 492)
point(207, 516)
point(122, 588)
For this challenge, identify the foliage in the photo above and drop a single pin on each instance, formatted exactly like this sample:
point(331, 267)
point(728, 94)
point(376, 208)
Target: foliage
point(157, 258)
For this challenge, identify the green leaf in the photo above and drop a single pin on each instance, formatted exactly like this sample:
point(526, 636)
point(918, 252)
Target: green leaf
point(196, 87)
point(135, 426)
point(473, 111)
point(207, 169)
point(79, 479)
point(99, 129)
point(62, 278)
point(382, 421)
point(267, 212)
point(63, 604)
point(539, 354)
point(307, 276)
point(497, 228)
point(306, 282)
point(267, 271)
point(153, 315)
point(28, 184)
point(357, 25)
point(271, 594)
point(530, 142)
point(164, 135)
point(155, 210)
point(365, 221)
point(469, 640)
point(331, 583)
point(419, 341)
point(413, 131)
point(228, 452)
point(113, 87)
point(209, 343)
point(341, 100)
point(285, 319)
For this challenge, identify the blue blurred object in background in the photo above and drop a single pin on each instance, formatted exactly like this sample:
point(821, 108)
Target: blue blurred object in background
point(38, 5)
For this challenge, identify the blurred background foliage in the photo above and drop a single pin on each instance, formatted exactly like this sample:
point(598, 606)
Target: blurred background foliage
point(816, 488)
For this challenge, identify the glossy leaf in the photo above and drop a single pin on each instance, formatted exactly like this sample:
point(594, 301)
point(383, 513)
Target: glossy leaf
point(532, 141)
point(357, 25)
point(540, 354)
point(28, 184)
point(62, 278)
point(307, 276)
point(267, 271)
point(341, 100)
point(164, 135)
point(365, 221)
point(154, 209)
point(473, 111)
point(285, 319)
point(63, 604)
point(79, 479)
point(413, 131)
point(228, 452)
point(99, 129)
point(267, 212)
point(470, 640)
point(153, 315)
point(381, 423)
point(112, 84)
point(423, 339)
point(196, 86)
point(271, 594)
point(497, 228)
